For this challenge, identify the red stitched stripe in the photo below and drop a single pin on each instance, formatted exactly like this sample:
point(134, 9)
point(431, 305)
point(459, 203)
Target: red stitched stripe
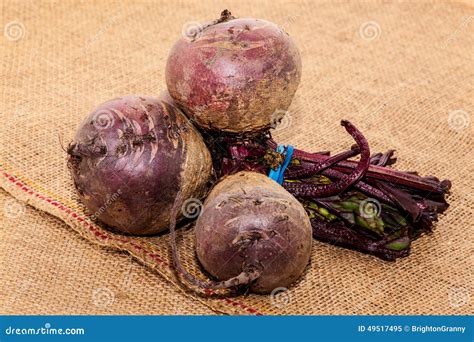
point(98, 233)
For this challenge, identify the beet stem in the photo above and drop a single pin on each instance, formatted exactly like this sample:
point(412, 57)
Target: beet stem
point(326, 190)
point(362, 186)
point(378, 172)
point(340, 235)
point(314, 169)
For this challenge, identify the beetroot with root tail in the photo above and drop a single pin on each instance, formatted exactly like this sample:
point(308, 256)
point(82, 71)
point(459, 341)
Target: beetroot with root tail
point(129, 159)
point(251, 232)
point(234, 75)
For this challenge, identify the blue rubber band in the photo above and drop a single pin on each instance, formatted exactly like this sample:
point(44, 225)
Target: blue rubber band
point(278, 174)
point(289, 154)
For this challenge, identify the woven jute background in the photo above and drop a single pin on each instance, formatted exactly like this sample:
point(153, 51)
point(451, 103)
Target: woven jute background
point(46, 269)
point(402, 72)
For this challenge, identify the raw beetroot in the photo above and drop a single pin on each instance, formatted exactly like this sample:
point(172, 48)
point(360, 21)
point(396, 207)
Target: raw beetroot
point(130, 157)
point(251, 232)
point(365, 205)
point(234, 75)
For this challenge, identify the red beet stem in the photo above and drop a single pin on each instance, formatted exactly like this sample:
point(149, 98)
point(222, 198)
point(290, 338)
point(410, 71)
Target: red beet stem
point(376, 172)
point(337, 233)
point(362, 186)
point(314, 169)
point(326, 190)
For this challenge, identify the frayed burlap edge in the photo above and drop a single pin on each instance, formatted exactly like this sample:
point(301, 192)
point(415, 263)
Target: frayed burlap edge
point(22, 189)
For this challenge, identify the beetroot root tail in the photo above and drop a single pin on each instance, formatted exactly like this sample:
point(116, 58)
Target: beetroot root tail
point(247, 276)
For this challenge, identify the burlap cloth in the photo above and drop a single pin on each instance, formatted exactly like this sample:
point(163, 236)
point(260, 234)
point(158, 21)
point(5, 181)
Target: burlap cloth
point(402, 72)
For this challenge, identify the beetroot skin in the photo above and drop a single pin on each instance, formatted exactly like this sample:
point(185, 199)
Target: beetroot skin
point(129, 158)
point(251, 224)
point(235, 75)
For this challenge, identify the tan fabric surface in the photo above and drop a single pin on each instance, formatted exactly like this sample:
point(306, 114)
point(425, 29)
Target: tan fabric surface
point(46, 269)
point(402, 72)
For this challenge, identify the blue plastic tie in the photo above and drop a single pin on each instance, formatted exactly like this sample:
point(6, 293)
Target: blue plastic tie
point(278, 174)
